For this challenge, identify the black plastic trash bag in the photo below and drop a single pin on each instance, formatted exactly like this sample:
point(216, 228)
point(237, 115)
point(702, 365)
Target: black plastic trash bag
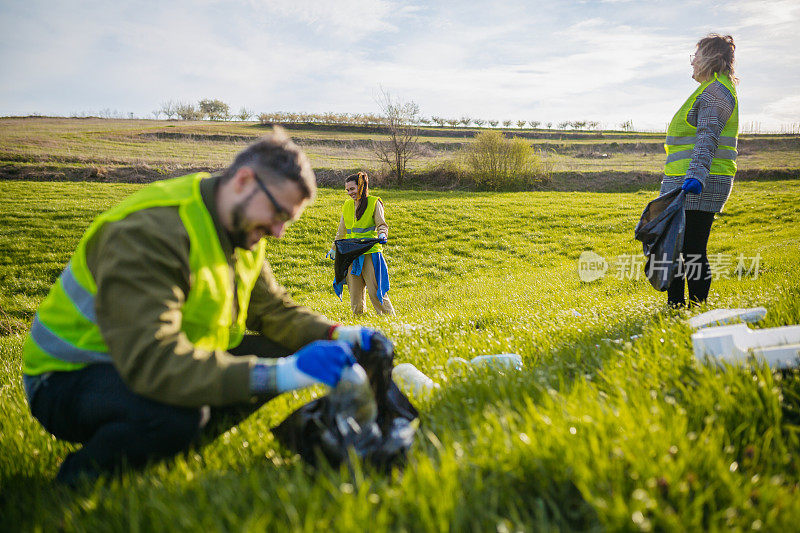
point(661, 231)
point(377, 422)
point(347, 250)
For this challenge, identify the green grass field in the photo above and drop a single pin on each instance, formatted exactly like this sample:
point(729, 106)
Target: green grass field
point(612, 424)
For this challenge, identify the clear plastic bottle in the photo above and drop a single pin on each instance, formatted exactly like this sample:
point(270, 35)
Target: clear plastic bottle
point(500, 361)
point(411, 381)
point(779, 346)
point(720, 317)
point(353, 397)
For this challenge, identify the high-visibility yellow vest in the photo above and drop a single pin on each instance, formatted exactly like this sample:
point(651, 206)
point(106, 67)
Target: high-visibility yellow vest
point(64, 335)
point(364, 227)
point(681, 136)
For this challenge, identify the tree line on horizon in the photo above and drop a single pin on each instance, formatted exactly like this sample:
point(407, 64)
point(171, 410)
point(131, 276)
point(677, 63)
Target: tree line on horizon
point(214, 109)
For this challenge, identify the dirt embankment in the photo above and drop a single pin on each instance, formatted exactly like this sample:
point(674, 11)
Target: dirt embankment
point(99, 173)
point(197, 137)
point(333, 143)
point(604, 149)
point(466, 133)
point(603, 181)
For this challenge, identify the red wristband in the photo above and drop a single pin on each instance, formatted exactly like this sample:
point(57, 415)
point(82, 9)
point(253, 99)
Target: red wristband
point(331, 330)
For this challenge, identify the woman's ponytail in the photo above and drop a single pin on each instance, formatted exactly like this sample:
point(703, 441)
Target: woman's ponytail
point(362, 182)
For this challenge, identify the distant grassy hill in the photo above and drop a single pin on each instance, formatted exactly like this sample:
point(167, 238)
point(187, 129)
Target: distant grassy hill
point(117, 150)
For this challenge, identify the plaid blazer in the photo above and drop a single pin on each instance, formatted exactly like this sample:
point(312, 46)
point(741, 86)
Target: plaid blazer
point(710, 112)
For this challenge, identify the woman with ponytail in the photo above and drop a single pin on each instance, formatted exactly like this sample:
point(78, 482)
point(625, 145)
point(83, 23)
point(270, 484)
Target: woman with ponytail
point(363, 217)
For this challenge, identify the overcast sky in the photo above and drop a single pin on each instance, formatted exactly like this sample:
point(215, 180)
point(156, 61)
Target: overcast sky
point(608, 61)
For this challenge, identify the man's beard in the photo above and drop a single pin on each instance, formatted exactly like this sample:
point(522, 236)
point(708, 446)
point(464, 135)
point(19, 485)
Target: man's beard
point(239, 232)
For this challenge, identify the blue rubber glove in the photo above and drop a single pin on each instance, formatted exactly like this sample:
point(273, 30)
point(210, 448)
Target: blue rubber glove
point(355, 336)
point(325, 360)
point(692, 185)
point(331, 254)
point(382, 238)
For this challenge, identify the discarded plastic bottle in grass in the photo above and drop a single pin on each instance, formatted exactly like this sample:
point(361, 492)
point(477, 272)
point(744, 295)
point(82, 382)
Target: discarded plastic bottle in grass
point(411, 381)
point(780, 346)
point(720, 317)
point(353, 398)
point(365, 413)
point(500, 361)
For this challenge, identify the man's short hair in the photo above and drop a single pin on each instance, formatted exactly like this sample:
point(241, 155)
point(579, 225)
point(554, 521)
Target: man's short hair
point(276, 157)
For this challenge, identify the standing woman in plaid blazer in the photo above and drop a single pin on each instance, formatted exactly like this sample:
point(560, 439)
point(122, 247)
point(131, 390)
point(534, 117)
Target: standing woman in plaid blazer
point(701, 159)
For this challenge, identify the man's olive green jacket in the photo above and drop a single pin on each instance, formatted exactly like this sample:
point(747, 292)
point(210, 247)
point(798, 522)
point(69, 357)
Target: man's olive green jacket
point(141, 266)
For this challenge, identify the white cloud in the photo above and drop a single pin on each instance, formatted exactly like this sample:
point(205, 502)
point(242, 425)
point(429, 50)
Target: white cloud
point(584, 79)
point(349, 20)
point(607, 61)
point(785, 110)
point(765, 13)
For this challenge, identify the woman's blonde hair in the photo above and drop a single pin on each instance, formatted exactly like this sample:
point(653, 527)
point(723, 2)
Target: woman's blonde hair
point(715, 54)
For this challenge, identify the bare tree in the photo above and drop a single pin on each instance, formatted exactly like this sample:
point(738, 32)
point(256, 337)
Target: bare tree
point(507, 123)
point(549, 125)
point(479, 122)
point(188, 112)
point(452, 122)
point(493, 123)
point(521, 123)
point(244, 114)
point(534, 123)
point(399, 118)
point(465, 120)
point(169, 109)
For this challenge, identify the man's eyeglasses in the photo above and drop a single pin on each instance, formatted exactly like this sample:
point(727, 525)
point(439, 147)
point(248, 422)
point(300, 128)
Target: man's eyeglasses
point(281, 213)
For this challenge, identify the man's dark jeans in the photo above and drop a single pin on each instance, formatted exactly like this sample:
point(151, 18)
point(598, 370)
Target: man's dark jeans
point(117, 427)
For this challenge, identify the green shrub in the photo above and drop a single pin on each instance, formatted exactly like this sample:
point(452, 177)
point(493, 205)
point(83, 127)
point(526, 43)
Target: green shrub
point(496, 163)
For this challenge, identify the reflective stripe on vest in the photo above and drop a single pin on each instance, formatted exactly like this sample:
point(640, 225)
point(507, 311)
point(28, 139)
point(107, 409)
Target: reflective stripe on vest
point(361, 230)
point(53, 344)
point(721, 153)
point(64, 335)
point(723, 141)
point(365, 226)
point(83, 299)
point(682, 136)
